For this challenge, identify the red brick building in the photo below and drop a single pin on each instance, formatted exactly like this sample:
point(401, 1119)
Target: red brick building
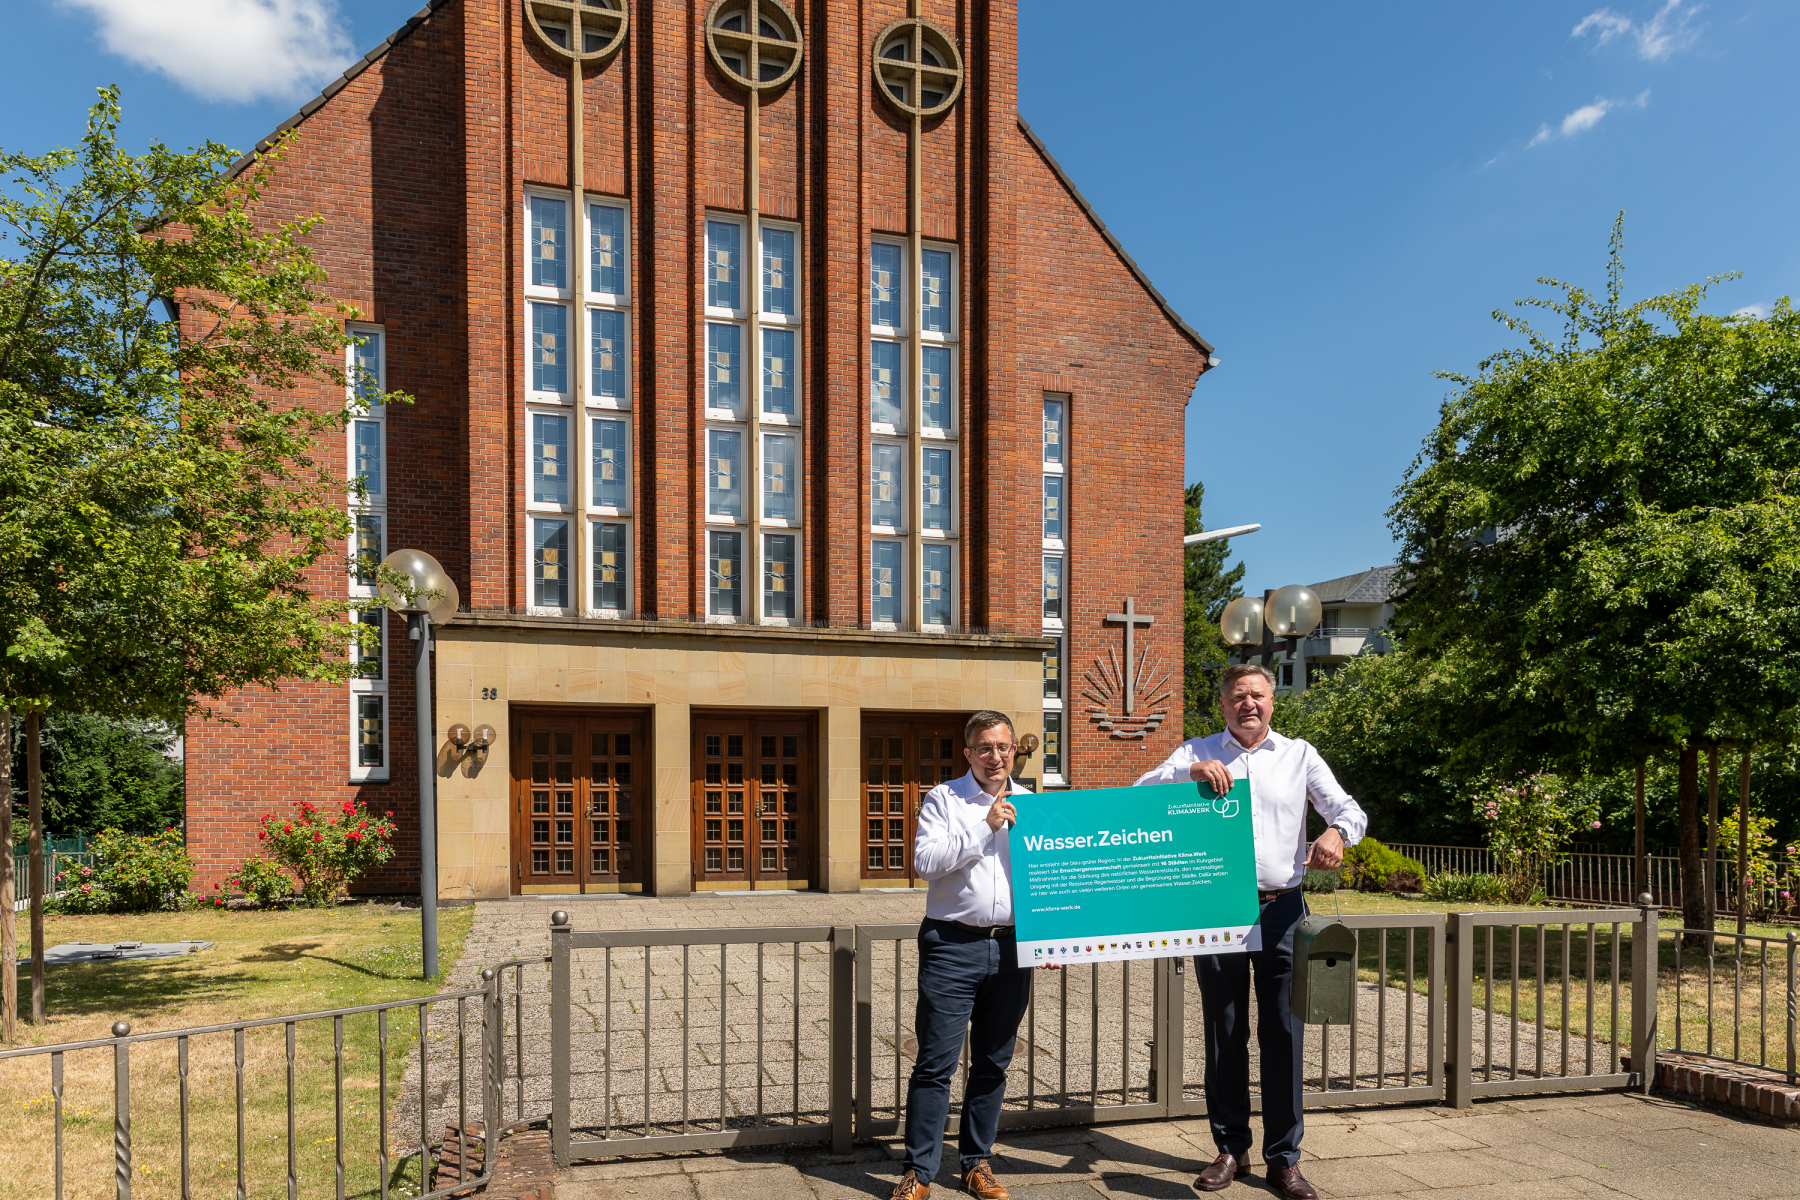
point(779, 402)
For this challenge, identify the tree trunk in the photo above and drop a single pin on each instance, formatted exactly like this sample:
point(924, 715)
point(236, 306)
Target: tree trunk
point(1693, 870)
point(9, 933)
point(34, 778)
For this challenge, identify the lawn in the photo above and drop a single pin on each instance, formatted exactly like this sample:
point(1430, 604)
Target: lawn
point(261, 964)
point(1742, 1014)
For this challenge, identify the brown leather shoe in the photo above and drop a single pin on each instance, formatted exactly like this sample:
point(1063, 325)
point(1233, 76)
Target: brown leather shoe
point(979, 1182)
point(909, 1188)
point(1219, 1175)
point(1289, 1182)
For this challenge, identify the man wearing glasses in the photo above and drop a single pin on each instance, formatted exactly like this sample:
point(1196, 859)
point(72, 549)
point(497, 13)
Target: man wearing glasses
point(969, 973)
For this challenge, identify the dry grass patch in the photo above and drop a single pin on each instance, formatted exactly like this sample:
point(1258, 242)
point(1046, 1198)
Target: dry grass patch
point(262, 965)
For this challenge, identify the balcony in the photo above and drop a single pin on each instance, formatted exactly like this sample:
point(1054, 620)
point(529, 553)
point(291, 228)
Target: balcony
point(1343, 642)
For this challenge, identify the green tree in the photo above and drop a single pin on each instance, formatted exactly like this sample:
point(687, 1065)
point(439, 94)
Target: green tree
point(1208, 586)
point(168, 361)
point(1603, 536)
point(101, 773)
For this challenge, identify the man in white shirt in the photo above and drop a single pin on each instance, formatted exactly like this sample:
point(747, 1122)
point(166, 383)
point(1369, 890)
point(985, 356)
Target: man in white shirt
point(1284, 774)
point(969, 973)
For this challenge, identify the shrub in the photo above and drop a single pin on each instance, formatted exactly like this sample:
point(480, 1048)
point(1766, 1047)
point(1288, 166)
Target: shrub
point(326, 854)
point(1370, 866)
point(130, 874)
point(1530, 823)
point(1458, 887)
point(1321, 881)
point(261, 880)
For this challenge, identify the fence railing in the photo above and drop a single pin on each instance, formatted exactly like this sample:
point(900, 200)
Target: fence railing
point(1592, 877)
point(674, 1040)
point(55, 862)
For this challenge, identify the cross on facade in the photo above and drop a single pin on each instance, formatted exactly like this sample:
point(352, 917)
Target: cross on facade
point(1131, 619)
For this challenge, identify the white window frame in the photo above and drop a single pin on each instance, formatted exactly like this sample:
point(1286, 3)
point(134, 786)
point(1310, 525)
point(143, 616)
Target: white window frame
point(888, 531)
point(949, 585)
point(905, 593)
point(799, 537)
point(570, 519)
point(1059, 628)
point(564, 296)
point(374, 504)
point(953, 485)
point(601, 517)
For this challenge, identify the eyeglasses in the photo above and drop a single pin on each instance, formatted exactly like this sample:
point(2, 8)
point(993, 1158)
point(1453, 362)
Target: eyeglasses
point(992, 751)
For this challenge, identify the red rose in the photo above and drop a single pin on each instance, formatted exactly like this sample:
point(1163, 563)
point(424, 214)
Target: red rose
point(287, 827)
point(390, 812)
point(349, 807)
point(318, 837)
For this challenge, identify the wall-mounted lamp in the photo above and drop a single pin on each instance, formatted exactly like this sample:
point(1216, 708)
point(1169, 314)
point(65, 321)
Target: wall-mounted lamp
point(474, 741)
point(1027, 746)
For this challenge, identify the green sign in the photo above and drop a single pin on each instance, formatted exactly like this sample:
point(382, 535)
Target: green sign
point(1135, 872)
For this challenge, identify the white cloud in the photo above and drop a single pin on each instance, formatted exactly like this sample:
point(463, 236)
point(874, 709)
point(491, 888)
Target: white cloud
point(1751, 310)
point(1656, 39)
point(235, 50)
point(1585, 118)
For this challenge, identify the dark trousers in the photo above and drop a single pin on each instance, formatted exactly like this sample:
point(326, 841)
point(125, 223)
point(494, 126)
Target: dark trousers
point(1225, 998)
point(973, 983)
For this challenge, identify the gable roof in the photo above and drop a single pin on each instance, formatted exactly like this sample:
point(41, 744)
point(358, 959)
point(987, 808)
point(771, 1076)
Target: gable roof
point(337, 85)
point(1187, 331)
point(1373, 586)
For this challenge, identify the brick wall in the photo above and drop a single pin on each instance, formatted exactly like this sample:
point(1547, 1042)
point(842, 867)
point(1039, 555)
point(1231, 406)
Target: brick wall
point(418, 167)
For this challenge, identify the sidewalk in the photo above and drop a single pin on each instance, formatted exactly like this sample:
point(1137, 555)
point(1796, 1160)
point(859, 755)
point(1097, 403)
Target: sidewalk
point(1600, 1144)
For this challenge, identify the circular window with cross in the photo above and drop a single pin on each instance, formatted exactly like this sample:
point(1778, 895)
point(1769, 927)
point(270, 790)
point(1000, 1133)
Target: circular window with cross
point(579, 30)
point(754, 43)
point(918, 67)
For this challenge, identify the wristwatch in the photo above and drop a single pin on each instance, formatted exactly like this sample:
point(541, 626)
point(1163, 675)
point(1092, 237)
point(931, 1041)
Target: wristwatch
point(1342, 833)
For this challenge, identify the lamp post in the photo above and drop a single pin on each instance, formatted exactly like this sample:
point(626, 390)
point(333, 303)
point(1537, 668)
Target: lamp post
point(427, 593)
point(1276, 622)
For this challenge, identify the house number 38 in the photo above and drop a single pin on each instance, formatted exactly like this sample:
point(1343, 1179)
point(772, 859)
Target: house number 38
point(490, 693)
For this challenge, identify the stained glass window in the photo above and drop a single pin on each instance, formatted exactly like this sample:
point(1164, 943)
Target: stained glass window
point(778, 271)
point(371, 736)
point(1053, 743)
point(886, 279)
point(1053, 431)
point(612, 592)
point(368, 653)
point(934, 291)
point(888, 583)
point(1053, 671)
point(934, 489)
point(1053, 507)
point(365, 362)
point(779, 364)
point(935, 390)
point(606, 249)
point(778, 575)
point(368, 547)
point(722, 261)
point(724, 473)
point(549, 459)
point(549, 241)
point(724, 349)
point(886, 484)
point(549, 564)
point(549, 348)
point(779, 481)
point(366, 437)
point(935, 585)
point(887, 383)
point(606, 349)
point(612, 463)
point(1053, 587)
point(724, 569)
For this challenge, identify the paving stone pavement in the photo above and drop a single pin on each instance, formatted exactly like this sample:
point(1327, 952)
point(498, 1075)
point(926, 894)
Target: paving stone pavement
point(1547, 1148)
point(677, 1039)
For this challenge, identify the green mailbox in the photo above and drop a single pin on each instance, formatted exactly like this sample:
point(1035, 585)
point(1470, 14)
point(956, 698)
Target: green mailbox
point(1324, 991)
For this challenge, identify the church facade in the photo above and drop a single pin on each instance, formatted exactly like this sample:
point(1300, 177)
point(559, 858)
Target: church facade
point(778, 402)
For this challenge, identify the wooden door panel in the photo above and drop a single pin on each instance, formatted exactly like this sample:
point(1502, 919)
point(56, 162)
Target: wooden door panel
point(754, 805)
point(575, 807)
point(903, 759)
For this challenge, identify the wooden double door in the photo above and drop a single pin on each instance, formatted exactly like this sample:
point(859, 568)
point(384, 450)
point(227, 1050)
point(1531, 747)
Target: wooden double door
point(755, 801)
point(578, 820)
point(903, 758)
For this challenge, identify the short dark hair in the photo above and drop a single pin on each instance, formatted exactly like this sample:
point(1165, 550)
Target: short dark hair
point(986, 719)
point(1244, 671)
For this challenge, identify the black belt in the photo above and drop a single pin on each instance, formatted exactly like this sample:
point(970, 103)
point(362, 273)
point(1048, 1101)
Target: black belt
point(1265, 897)
point(987, 931)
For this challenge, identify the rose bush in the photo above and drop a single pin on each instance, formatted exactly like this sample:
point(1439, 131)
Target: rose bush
point(130, 874)
point(1530, 822)
point(261, 880)
point(327, 852)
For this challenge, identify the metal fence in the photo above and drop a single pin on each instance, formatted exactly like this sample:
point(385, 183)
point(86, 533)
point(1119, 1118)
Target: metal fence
point(200, 1110)
point(713, 1038)
point(1600, 878)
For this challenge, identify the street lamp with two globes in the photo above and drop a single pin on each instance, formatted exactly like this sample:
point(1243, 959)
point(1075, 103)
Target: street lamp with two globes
point(1277, 622)
point(416, 585)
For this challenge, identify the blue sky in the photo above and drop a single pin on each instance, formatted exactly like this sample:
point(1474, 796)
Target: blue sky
point(1336, 196)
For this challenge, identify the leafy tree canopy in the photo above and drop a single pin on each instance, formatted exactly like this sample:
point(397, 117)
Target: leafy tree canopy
point(102, 774)
point(1603, 533)
point(161, 508)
